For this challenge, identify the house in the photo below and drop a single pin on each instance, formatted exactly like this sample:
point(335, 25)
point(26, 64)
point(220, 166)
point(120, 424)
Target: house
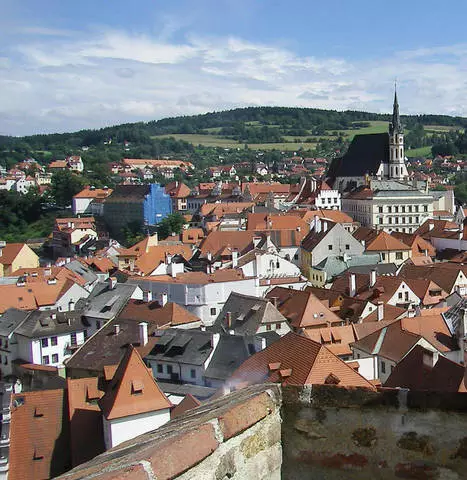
point(143, 163)
point(424, 370)
point(303, 309)
point(389, 248)
point(422, 249)
point(90, 201)
point(70, 235)
point(14, 256)
point(199, 357)
point(296, 360)
point(48, 294)
point(249, 315)
point(379, 352)
point(75, 163)
point(203, 294)
point(139, 204)
point(133, 403)
point(217, 172)
point(179, 193)
point(39, 442)
point(57, 165)
point(39, 337)
point(269, 268)
point(326, 240)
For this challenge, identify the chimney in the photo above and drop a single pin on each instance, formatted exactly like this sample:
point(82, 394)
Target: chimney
point(147, 296)
point(325, 226)
point(372, 278)
point(430, 358)
point(112, 283)
point(143, 333)
point(363, 243)
point(168, 258)
point(234, 258)
point(380, 311)
point(47, 272)
point(51, 281)
point(461, 234)
point(317, 224)
point(431, 226)
point(273, 300)
point(209, 256)
point(116, 329)
point(352, 285)
point(71, 306)
point(163, 300)
point(256, 241)
point(425, 252)
point(228, 320)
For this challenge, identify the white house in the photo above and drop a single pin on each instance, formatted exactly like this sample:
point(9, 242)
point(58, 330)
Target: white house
point(133, 403)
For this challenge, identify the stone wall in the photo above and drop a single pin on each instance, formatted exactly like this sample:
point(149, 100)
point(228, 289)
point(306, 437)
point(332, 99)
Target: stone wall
point(319, 432)
point(235, 437)
point(333, 433)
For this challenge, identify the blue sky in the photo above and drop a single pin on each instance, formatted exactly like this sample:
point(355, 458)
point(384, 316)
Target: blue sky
point(71, 65)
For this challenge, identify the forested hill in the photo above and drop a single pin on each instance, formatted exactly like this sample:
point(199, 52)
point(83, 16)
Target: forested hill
point(233, 123)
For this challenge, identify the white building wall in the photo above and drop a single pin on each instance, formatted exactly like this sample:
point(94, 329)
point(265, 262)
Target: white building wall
point(122, 429)
point(81, 205)
point(329, 199)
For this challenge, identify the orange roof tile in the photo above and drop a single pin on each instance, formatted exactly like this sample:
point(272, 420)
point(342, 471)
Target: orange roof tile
point(133, 389)
point(384, 242)
point(305, 361)
point(86, 432)
point(336, 339)
point(336, 216)
point(10, 251)
point(188, 403)
point(39, 436)
point(148, 261)
point(200, 278)
point(94, 193)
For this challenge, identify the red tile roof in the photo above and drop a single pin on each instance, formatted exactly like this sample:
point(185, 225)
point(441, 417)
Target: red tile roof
point(188, 403)
point(87, 436)
point(133, 390)
point(39, 436)
point(10, 251)
point(414, 372)
point(302, 362)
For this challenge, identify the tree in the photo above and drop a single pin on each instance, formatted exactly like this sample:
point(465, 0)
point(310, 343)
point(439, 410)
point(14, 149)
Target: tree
point(64, 186)
point(173, 223)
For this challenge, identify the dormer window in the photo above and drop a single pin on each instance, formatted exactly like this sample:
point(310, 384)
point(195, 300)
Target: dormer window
point(137, 387)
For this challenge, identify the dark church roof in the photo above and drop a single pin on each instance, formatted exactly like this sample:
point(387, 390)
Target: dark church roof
point(364, 156)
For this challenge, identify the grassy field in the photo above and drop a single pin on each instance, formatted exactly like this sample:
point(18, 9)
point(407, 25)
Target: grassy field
point(418, 152)
point(213, 140)
point(216, 141)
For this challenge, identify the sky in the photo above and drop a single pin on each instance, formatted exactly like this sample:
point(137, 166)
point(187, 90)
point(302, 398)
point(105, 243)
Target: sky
point(66, 66)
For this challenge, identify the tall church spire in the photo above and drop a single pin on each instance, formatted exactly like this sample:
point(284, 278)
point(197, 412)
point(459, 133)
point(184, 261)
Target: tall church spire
point(395, 126)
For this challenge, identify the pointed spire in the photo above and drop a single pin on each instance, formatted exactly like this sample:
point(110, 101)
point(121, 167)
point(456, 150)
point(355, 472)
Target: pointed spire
point(395, 126)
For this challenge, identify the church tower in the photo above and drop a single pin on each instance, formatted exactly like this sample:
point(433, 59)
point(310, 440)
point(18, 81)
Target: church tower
point(397, 167)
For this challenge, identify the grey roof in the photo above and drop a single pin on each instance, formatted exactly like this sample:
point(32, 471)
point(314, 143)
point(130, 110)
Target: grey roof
point(231, 352)
point(381, 268)
point(247, 314)
point(191, 347)
point(201, 393)
point(335, 265)
point(105, 303)
point(454, 315)
point(82, 270)
point(50, 322)
point(364, 156)
point(11, 320)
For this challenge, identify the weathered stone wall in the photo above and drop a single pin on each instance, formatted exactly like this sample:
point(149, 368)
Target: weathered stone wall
point(299, 433)
point(234, 437)
point(332, 433)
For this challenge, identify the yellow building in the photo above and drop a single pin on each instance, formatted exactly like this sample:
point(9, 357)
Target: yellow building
point(14, 256)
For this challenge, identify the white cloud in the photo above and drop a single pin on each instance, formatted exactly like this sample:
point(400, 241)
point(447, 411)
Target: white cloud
point(109, 77)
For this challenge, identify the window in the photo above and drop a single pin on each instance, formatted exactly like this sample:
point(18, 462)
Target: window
point(416, 208)
point(390, 220)
point(6, 360)
point(44, 342)
point(295, 257)
point(400, 295)
point(53, 341)
point(398, 255)
point(55, 358)
point(278, 326)
point(425, 208)
point(169, 369)
point(160, 368)
point(383, 367)
point(329, 247)
point(396, 209)
point(380, 209)
point(380, 220)
point(347, 246)
point(98, 324)
point(45, 360)
point(406, 296)
point(213, 311)
point(193, 373)
point(268, 327)
point(383, 257)
point(389, 209)
point(73, 338)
